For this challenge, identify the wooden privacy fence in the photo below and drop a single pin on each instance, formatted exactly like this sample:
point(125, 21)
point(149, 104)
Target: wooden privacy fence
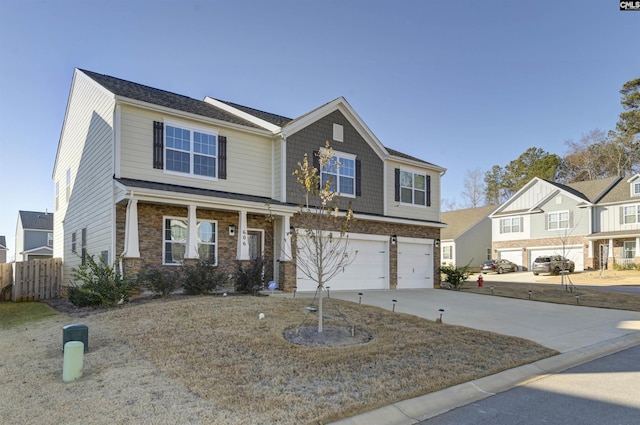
point(37, 280)
point(6, 280)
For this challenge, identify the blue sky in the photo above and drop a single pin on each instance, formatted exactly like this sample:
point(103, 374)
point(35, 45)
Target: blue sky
point(462, 84)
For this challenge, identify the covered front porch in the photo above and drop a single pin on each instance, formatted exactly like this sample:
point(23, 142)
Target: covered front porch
point(614, 250)
point(166, 228)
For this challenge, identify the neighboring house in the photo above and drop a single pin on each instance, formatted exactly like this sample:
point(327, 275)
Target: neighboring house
point(34, 235)
point(574, 220)
point(148, 177)
point(467, 238)
point(3, 249)
point(616, 226)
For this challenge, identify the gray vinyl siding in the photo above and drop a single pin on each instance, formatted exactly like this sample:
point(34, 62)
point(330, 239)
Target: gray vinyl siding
point(396, 209)
point(579, 218)
point(609, 218)
point(86, 147)
point(249, 157)
point(314, 137)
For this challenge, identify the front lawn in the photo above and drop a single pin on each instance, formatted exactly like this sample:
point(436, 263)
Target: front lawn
point(212, 360)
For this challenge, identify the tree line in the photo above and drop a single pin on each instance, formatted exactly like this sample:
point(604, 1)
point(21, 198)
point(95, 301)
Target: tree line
point(596, 155)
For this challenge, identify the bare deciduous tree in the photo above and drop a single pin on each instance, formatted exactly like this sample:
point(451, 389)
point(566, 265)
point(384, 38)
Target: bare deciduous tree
point(322, 240)
point(474, 188)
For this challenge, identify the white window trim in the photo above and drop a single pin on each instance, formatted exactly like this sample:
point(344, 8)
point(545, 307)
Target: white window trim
point(338, 155)
point(635, 189)
point(557, 214)
point(624, 216)
point(511, 221)
point(164, 241)
point(412, 204)
point(625, 249)
point(191, 128)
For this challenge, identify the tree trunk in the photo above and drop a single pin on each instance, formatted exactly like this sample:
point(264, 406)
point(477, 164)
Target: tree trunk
point(320, 316)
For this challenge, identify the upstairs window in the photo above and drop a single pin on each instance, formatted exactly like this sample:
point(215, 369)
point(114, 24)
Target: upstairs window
point(635, 189)
point(190, 151)
point(446, 252)
point(414, 188)
point(341, 171)
point(510, 225)
point(558, 220)
point(630, 214)
point(49, 238)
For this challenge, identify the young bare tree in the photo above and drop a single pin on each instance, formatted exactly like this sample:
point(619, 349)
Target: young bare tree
point(474, 188)
point(322, 237)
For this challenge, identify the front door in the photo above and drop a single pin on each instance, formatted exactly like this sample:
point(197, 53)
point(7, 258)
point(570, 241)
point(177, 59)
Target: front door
point(255, 244)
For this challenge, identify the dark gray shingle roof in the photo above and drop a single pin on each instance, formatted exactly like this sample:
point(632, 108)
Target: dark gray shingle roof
point(167, 99)
point(3, 242)
point(142, 184)
point(34, 220)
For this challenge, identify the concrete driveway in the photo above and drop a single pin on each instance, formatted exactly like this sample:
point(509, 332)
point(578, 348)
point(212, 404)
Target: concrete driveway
point(580, 334)
point(560, 327)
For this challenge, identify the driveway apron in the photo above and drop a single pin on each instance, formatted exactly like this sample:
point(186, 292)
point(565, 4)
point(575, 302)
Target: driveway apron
point(558, 326)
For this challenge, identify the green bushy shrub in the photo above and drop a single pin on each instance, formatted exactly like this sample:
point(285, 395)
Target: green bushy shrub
point(249, 276)
point(99, 284)
point(202, 278)
point(162, 282)
point(455, 276)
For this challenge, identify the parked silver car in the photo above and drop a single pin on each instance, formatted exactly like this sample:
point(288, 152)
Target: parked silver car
point(498, 266)
point(552, 264)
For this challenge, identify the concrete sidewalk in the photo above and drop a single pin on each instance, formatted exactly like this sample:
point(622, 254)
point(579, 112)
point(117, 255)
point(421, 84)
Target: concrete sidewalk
point(580, 334)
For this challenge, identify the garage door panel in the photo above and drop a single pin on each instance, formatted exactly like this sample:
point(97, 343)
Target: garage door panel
point(515, 256)
point(415, 265)
point(573, 253)
point(369, 270)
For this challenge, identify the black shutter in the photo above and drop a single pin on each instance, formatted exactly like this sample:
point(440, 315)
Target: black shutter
point(428, 191)
point(358, 178)
point(397, 185)
point(158, 145)
point(222, 157)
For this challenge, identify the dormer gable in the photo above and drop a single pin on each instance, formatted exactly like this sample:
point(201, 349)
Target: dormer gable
point(634, 186)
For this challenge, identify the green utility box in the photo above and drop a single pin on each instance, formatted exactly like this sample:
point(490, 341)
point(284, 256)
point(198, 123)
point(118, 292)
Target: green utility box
point(76, 333)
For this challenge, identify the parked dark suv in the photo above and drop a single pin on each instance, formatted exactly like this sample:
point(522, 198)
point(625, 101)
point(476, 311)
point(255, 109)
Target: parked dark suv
point(552, 264)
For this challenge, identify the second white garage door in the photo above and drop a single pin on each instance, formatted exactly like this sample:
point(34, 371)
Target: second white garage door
point(415, 263)
point(572, 252)
point(513, 255)
point(370, 270)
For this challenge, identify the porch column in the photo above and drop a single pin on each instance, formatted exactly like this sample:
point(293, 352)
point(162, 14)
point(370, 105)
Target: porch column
point(131, 239)
point(285, 250)
point(590, 249)
point(611, 255)
point(243, 239)
point(191, 251)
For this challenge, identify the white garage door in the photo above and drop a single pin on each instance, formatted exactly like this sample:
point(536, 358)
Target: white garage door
point(513, 255)
point(370, 269)
point(573, 252)
point(415, 263)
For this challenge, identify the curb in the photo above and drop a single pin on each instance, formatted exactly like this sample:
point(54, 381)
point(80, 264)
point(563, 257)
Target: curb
point(412, 411)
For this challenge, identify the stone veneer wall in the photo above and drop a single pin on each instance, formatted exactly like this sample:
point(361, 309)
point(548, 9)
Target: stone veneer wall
point(150, 225)
point(539, 243)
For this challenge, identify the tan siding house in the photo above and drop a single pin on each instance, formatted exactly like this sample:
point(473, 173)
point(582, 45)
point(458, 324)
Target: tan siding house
point(158, 179)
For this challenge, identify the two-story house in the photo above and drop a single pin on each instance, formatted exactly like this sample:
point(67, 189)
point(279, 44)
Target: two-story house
point(143, 176)
point(616, 225)
point(34, 235)
point(594, 223)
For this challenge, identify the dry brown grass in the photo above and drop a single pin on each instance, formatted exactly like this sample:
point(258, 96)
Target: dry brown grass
point(209, 360)
point(550, 289)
